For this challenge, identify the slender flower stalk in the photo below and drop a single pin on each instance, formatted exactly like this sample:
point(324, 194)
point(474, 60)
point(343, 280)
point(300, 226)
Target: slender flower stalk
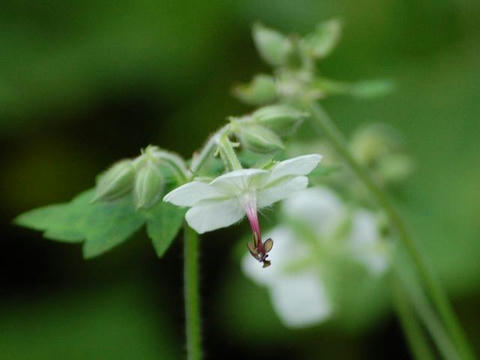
point(414, 333)
point(192, 297)
point(325, 126)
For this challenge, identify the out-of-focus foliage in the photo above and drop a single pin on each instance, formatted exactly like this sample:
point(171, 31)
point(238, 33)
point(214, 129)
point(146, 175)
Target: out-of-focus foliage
point(116, 322)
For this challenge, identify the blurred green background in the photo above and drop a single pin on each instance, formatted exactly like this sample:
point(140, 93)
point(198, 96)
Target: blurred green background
point(84, 83)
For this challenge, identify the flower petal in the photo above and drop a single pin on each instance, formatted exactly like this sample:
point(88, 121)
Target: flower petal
point(301, 299)
point(191, 193)
point(301, 165)
point(285, 250)
point(208, 215)
point(280, 190)
point(237, 181)
point(367, 246)
point(318, 207)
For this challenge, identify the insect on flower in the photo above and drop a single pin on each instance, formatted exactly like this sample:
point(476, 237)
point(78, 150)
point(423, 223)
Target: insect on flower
point(260, 250)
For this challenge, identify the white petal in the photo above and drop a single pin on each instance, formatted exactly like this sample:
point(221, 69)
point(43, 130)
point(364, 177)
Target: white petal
point(191, 193)
point(301, 165)
point(238, 181)
point(208, 215)
point(367, 246)
point(317, 206)
point(301, 300)
point(280, 190)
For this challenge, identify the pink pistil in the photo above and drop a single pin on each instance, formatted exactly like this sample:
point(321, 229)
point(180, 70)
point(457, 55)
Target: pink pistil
point(251, 211)
point(258, 251)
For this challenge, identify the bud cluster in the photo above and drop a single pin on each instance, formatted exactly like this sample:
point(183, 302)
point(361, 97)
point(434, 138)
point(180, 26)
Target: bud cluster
point(379, 148)
point(263, 130)
point(145, 176)
point(294, 60)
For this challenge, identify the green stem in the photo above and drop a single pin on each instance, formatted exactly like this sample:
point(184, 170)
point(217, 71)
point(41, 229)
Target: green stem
point(325, 126)
point(426, 314)
point(192, 299)
point(416, 339)
point(228, 152)
point(199, 159)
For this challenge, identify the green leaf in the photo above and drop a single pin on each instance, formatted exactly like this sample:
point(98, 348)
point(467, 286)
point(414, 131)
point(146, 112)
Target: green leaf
point(163, 223)
point(108, 225)
point(60, 222)
point(102, 226)
point(372, 88)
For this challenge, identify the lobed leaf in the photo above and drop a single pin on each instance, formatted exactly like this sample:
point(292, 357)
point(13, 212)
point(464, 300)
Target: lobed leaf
point(163, 223)
point(102, 226)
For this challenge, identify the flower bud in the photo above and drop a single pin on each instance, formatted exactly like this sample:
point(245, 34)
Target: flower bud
point(323, 40)
point(372, 142)
point(282, 119)
point(149, 185)
point(257, 138)
point(115, 182)
point(274, 47)
point(260, 90)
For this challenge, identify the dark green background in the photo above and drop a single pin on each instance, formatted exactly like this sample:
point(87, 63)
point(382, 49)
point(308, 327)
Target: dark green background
point(84, 83)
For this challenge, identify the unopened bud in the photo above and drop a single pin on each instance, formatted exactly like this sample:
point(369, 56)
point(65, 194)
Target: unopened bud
point(323, 40)
point(149, 185)
point(282, 119)
point(274, 47)
point(115, 182)
point(258, 138)
point(261, 90)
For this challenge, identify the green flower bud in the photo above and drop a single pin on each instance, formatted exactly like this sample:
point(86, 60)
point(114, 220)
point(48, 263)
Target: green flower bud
point(323, 40)
point(274, 47)
point(395, 167)
point(260, 90)
point(257, 138)
point(282, 119)
point(115, 182)
point(149, 185)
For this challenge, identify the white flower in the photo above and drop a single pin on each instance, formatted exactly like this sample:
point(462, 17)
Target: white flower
point(229, 197)
point(322, 210)
point(297, 282)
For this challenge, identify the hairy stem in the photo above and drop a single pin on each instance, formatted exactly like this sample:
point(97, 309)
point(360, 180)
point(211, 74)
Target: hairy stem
point(192, 298)
point(228, 153)
point(324, 125)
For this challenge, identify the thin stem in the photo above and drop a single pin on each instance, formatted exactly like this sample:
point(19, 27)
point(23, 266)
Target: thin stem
point(192, 298)
point(228, 152)
point(199, 159)
point(426, 314)
point(416, 339)
point(324, 125)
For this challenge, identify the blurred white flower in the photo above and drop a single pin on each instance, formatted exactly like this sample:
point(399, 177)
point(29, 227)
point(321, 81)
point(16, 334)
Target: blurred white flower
point(299, 297)
point(367, 246)
point(296, 282)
